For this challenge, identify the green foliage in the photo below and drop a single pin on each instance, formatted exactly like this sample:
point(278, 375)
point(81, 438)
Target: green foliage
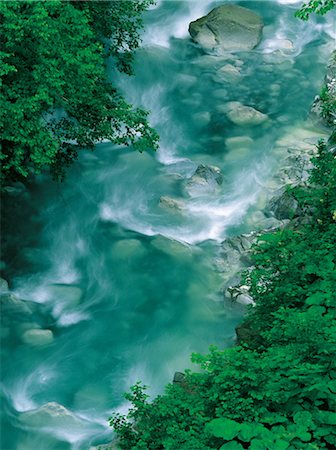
point(276, 390)
point(315, 6)
point(55, 98)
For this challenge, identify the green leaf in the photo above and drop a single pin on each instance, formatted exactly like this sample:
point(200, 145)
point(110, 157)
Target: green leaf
point(232, 446)
point(224, 428)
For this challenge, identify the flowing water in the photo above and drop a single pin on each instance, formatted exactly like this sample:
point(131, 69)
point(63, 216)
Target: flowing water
point(127, 285)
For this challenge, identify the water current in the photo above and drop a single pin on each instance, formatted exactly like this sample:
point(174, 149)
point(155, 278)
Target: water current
point(126, 283)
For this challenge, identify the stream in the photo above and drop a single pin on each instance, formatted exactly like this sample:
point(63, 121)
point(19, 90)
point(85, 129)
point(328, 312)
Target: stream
point(118, 261)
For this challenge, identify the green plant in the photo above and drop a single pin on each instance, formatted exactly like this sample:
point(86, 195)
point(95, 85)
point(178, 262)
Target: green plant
point(55, 95)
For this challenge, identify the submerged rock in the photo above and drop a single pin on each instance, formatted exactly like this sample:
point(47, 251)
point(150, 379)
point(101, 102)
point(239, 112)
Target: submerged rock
point(171, 203)
point(3, 286)
point(50, 414)
point(65, 293)
point(128, 248)
point(37, 337)
point(170, 246)
point(244, 115)
point(227, 28)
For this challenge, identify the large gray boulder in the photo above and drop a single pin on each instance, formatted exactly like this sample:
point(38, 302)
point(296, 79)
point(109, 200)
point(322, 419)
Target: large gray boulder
point(227, 28)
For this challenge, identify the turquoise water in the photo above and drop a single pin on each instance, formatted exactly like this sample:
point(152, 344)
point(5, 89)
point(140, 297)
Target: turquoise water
point(128, 287)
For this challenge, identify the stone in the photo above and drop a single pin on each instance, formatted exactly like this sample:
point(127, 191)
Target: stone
point(220, 94)
point(179, 378)
point(283, 205)
point(14, 307)
point(202, 119)
point(3, 286)
point(65, 293)
point(37, 337)
point(170, 246)
point(171, 203)
point(238, 142)
point(228, 72)
point(128, 248)
point(240, 294)
point(205, 178)
point(50, 414)
point(242, 115)
point(227, 28)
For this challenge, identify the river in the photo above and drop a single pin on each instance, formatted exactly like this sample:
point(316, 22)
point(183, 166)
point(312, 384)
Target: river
point(127, 284)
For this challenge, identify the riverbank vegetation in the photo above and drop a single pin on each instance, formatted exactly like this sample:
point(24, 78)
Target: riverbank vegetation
point(56, 97)
point(277, 388)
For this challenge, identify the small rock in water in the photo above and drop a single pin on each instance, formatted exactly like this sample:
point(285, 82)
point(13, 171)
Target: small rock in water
point(3, 286)
point(205, 178)
point(171, 203)
point(128, 248)
point(228, 71)
point(238, 142)
point(202, 118)
point(227, 28)
point(221, 94)
point(245, 115)
point(37, 337)
point(68, 294)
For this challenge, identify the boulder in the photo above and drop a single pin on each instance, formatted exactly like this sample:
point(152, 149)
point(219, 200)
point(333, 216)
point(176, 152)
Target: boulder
point(244, 115)
point(205, 178)
point(283, 205)
point(228, 72)
point(227, 28)
point(171, 203)
point(37, 337)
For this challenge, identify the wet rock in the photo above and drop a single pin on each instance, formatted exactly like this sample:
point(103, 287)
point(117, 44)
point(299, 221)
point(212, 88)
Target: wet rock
point(228, 72)
point(179, 378)
point(283, 205)
point(234, 256)
point(202, 118)
point(221, 94)
point(37, 337)
point(227, 28)
point(66, 294)
point(128, 248)
point(205, 178)
point(171, 203)
point(50, 414)
point(240, 294)
point(15, 308)
point(238, 142)
point(170, 246)
point(3, 286)
point(244, 115)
